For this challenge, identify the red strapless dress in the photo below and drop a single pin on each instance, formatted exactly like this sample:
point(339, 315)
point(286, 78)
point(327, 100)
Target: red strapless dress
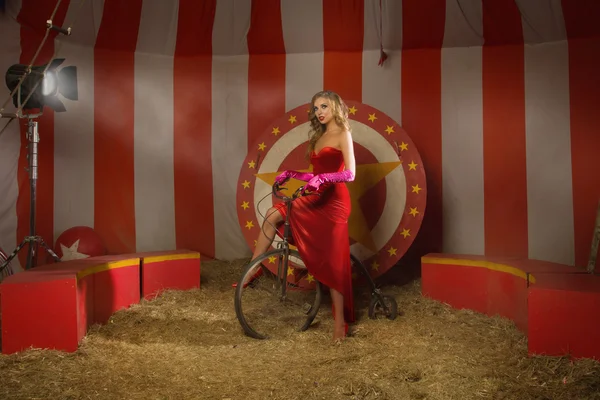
point(319, 226)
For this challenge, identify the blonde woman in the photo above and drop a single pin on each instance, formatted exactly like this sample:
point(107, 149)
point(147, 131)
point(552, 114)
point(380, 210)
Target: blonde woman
point(320, 223)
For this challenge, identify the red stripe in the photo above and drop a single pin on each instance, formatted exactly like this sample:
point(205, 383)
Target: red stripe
point(266, 69)
point(422, 107)
point(114, 201)
point(192, 90)
point(504, 151)
point(583, 31)
point(343, 31)
point(32, 17)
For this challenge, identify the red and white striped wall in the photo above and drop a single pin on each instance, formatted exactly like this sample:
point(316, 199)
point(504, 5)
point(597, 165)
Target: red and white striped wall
point(499, 97)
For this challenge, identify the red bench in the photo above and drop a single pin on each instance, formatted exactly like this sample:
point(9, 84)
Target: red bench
point(163, 270)
point(538, 296)
point(564, 310)
point(52, 306)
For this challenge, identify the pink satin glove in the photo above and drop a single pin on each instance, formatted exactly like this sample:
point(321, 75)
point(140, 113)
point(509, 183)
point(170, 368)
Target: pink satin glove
point(333, 177)
point(285, 175)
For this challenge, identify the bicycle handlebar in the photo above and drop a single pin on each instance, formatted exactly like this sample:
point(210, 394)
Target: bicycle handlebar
point(295, 195)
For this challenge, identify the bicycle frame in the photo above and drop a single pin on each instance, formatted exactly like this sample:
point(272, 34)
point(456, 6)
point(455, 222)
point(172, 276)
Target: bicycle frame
point(284, 244)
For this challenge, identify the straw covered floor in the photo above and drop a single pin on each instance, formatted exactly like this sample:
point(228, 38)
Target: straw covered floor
point(189, 345)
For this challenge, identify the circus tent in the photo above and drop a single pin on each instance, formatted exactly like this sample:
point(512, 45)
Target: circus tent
point(498, 96)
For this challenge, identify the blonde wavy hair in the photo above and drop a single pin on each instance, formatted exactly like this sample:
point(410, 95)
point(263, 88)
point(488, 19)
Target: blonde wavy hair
point(339, 110)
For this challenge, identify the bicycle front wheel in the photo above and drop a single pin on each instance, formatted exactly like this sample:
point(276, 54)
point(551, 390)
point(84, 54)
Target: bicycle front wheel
point(271, 304)
point(6, 270)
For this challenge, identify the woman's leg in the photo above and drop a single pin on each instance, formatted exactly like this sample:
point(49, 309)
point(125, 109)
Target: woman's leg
point(339, 324)
point(265, 237)
point(267, 233)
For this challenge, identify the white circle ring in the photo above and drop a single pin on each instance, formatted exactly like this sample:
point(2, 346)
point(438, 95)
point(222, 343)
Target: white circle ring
point(381, 149)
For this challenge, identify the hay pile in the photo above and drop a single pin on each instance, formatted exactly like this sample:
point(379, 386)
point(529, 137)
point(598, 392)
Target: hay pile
point(188, 345)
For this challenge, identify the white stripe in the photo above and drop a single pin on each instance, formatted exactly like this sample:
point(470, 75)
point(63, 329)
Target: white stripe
point(230, 28)
point(548, 135)
point(304, 51)
point(10, 140)
point(381, 85)
point(464, 24)
point(153, 132)
point(542, 21)
point(229, 123)
point(462, 140)
point(84, 18)
point(74, 129)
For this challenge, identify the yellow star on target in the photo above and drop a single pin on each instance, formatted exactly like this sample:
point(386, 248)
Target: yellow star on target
point(412, 166)
point(389, 129)
point(249, 224)
point(413, 211)
point(251, 164)
point(372, 117)
point(262, 146)
point(416, 188)
point(246, 184)
point(375, 266)
point(275, 131)
point(310, 278)
point(352, 110)
point(392, 251)
point(403, 146)
point(272, 259)
point(367, 176)
point(290, 271)
point(292, 119)
point(405, 232)
point(245, 205)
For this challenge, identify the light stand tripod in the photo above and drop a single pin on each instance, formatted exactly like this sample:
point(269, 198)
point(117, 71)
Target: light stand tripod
point(32, 76)
point(34, 138)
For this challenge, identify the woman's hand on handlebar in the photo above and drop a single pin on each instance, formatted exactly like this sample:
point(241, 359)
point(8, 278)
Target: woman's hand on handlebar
point(299, 192)
point(286, 175)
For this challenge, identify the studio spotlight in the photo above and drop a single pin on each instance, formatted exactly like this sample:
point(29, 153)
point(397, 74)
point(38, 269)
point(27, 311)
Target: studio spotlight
point(53, 82)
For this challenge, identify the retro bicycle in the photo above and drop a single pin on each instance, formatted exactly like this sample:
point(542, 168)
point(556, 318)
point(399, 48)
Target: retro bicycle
point(269, 303)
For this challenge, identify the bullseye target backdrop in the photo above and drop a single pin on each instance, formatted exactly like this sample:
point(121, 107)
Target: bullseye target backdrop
point(388, 194)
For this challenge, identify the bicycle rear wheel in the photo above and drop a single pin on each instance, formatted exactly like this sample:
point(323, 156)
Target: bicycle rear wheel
point(260, 307)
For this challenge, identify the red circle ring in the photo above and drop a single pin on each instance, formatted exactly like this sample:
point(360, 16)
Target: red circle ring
point(412, 166)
